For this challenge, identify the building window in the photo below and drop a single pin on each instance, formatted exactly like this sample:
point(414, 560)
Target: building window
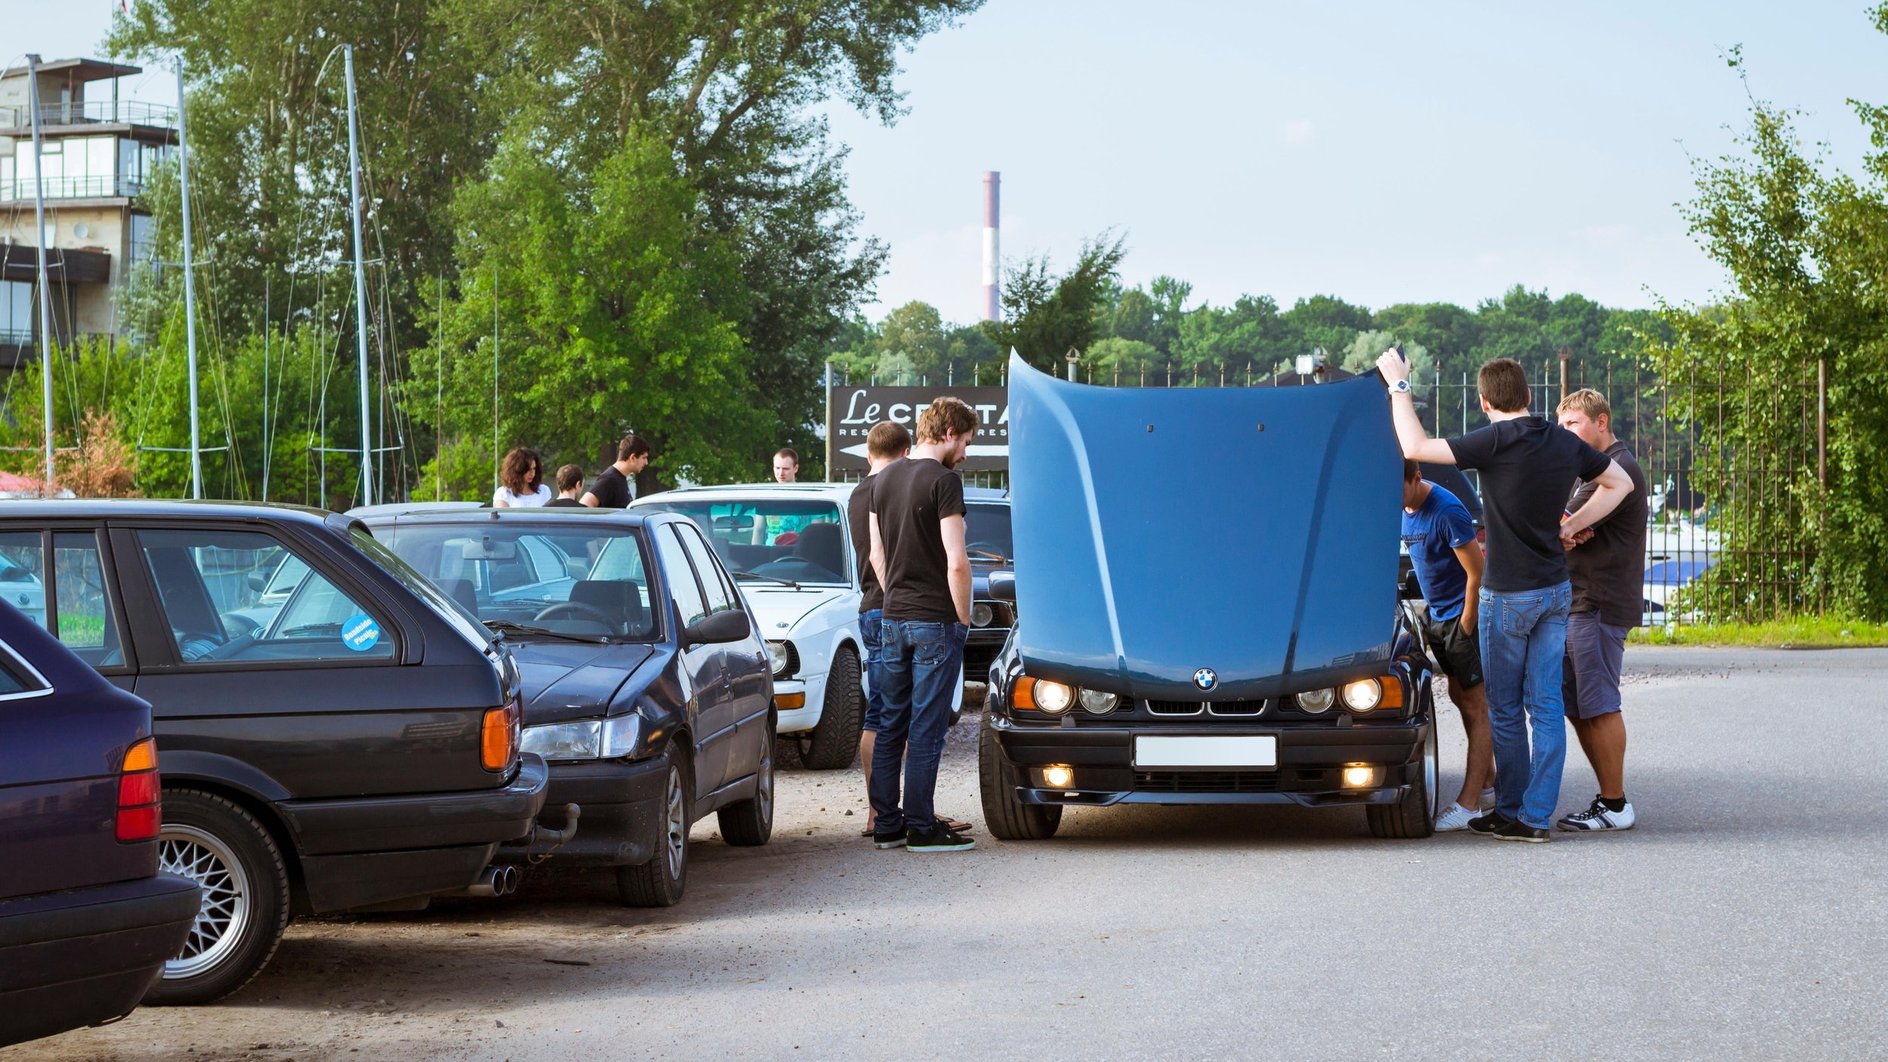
point(16, 311)
point(79, 167)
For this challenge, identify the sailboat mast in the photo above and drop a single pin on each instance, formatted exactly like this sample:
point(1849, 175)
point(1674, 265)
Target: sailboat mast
point(360, 280)
point(45, 291)
point(190, 291)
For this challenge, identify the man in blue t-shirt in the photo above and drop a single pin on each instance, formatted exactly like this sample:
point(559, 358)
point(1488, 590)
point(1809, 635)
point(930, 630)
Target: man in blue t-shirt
point(1440, 536)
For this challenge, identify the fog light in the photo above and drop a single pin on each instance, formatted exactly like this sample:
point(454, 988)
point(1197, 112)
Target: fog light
point(1058, 776)
point(1356, 777)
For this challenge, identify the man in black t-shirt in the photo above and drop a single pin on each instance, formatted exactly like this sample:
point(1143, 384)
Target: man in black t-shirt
point(1607, 565)
point(887, 442)
point(917, 537)
point(613, 487)
point(1528, 466)
point(569, 488)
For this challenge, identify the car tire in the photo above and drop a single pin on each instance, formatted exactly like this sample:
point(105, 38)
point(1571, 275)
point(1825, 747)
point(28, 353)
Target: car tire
point(1415, 814)
point(835, 740)
point(1009, 819)
point(751, 822)
point(231, 855)
point(660, 881)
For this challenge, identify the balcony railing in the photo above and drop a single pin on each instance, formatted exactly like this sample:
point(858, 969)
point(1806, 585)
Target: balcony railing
point(105, 187)
point(90, 112)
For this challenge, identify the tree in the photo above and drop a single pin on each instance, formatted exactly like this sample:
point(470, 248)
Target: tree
point(1045, 316)
point(915, 331)
point(1325, 321)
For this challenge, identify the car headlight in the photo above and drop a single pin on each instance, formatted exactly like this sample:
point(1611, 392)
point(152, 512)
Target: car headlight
point(780, 658)
point(1042, 695)
point(585, 739)
point(981, 614)
point(1363, 695)
point(1316, 701)
point(1095, 702)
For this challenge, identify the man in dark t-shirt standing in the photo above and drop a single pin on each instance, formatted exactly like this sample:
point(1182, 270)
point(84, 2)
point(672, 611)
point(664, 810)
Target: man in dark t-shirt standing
point(1528, 466)
point(1607, 566)
point(612, 489)
point(917, 534)
point(886, 443)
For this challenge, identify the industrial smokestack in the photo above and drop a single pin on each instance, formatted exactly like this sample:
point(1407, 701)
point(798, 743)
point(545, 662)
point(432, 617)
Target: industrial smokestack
point(992, 269)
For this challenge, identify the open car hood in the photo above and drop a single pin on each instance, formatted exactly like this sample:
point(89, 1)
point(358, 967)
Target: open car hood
point(1251, 531)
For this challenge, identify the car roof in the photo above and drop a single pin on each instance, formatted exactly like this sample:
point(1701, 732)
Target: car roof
point(184, 509)
point(831, 491)
point(469, 514)
point(986, 494)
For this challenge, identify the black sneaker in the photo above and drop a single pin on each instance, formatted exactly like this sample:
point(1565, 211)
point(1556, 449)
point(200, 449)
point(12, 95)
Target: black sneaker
point(894, 839)
point(942, 839)
point(1488, 823)
point(1513, 830)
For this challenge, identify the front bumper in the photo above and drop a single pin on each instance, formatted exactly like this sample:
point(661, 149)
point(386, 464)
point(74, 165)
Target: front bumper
point(803, 718)
point(621, 802)
point(1309, 770)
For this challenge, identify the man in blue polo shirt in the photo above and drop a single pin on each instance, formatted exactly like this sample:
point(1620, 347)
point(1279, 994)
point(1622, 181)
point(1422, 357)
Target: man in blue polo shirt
point(1440, 536)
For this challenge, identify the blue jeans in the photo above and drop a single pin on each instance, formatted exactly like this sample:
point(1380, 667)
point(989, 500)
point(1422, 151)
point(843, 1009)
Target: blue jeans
point(919, 662)
point(871, 631)
point(1524, 637)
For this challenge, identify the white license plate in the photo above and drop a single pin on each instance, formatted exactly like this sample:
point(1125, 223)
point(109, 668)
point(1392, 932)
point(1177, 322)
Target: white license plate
point(1245, 750)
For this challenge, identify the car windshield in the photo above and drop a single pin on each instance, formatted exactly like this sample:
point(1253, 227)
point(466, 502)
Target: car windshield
point(794, 540)
point(574, 579)
point(987, 532)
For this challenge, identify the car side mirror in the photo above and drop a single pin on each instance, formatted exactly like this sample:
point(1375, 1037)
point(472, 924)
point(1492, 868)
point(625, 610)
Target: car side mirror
point(729, 625)
point(1003, 586)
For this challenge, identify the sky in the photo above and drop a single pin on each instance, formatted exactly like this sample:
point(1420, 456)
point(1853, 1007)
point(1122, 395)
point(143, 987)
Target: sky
point(1378, 152)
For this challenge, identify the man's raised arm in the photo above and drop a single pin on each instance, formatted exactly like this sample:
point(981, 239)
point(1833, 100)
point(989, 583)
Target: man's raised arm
point(1416, 443)
point(1608, 491)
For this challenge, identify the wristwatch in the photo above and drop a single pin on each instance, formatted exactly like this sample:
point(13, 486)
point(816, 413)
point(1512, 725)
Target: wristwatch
point(1399, 387)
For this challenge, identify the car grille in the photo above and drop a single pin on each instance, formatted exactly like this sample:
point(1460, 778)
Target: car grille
point(1234, 708)
point(1207, 781)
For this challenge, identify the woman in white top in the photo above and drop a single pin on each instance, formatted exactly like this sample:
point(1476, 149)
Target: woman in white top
point(521, 481)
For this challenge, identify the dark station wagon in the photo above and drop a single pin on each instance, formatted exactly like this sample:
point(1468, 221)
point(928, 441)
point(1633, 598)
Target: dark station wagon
point(351, 743)
point(1210, 607)
point(86, 920)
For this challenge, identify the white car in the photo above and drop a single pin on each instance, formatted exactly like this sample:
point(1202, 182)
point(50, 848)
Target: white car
point(788, 547)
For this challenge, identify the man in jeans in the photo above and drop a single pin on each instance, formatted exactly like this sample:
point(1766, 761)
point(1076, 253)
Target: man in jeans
point(917, 534)
point(1528, 467)
point(887, 442)
point(1607, 564)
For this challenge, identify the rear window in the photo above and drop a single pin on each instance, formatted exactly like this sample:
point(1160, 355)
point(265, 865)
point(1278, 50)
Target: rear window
point(17, 677)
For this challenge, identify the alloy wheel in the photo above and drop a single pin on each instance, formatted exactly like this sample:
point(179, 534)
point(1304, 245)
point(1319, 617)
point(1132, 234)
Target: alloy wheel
point(224, 911)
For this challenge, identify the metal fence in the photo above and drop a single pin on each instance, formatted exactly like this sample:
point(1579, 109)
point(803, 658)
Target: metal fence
point(1733, 520)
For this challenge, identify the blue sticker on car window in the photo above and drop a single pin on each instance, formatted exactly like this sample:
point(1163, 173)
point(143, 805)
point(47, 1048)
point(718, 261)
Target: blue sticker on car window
point(360, 633)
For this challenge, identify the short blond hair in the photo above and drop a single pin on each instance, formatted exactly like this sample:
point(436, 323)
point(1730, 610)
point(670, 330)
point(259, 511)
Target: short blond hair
point(945, 416)
point(1589, 402)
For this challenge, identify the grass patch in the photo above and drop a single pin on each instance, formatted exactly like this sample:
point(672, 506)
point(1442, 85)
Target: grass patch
point(1795, 632)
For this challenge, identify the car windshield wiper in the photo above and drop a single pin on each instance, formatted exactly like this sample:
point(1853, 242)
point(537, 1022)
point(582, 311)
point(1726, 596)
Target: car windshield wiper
point(509, 627)
point(766, 578)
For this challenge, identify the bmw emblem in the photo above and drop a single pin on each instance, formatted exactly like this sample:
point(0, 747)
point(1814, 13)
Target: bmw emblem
point(1205, 679)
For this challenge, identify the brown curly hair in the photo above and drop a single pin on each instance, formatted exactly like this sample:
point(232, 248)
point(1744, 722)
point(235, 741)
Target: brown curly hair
point(520, 463)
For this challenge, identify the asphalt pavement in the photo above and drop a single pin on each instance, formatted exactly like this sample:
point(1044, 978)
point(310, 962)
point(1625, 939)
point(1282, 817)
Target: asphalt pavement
point(1743, 918)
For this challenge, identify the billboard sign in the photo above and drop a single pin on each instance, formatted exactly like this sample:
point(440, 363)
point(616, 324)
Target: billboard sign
point(851, 412)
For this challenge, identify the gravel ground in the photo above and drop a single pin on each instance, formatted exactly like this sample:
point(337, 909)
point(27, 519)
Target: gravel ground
point(1743, 919)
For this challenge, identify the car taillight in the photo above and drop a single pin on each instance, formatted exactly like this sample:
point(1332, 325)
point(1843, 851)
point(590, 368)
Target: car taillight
point(498, 744)
point(139, 797)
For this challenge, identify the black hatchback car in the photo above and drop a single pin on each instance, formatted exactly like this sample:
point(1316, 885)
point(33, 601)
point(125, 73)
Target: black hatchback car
point(1211, 607)
point(645, 681)
point(86, 920)
point(352, 744)
point(987, 540)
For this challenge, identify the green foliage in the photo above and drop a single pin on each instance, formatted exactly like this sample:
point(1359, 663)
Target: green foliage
point(1046, 316)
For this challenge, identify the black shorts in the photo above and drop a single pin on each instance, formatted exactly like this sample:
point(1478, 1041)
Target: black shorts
point(1457, 653)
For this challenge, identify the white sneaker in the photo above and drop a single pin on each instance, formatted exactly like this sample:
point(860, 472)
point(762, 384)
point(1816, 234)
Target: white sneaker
point(1598, 816)
point(1455, 817)
point(1488, 800)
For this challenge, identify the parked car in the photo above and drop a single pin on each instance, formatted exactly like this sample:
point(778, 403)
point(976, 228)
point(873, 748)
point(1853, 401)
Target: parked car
point(645, 681)
point(987, 538)
point(788, 547)
point(360, 749)
point(1211, 611)
point(22, 589)
point(86, 919)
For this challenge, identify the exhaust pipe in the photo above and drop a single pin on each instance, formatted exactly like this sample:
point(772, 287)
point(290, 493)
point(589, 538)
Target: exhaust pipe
point(497, 880)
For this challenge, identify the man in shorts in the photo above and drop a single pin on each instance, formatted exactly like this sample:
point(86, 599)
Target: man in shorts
point(1440, 536)
point(1607, 567)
